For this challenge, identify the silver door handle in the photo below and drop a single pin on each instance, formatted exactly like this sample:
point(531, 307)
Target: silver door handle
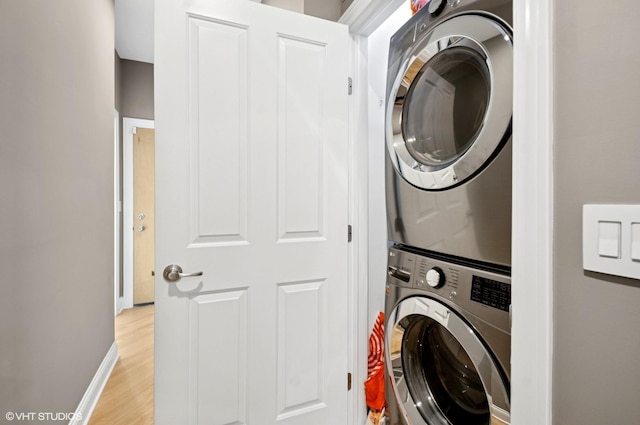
point(173, 273)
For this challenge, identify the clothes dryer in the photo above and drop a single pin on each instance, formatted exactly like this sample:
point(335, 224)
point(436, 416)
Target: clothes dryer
point(448, 130)
point(447, 343)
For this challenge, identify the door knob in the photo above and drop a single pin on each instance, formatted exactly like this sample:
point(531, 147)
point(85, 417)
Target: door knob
point(173, 273)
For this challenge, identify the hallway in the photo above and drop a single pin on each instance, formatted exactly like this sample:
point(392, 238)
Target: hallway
point(128, 396)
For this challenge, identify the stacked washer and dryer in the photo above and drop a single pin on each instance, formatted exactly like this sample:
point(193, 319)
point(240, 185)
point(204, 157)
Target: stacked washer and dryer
point(448, 188)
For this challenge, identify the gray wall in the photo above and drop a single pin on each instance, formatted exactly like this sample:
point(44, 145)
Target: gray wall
point(325, 9)
point(345, 5)
point(56, 214)
point(293, 5)
point(136, 89)
point(118, 81)
point(596, 376)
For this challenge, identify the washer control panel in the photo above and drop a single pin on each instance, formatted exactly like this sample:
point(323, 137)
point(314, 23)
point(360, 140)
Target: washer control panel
point(479, 291)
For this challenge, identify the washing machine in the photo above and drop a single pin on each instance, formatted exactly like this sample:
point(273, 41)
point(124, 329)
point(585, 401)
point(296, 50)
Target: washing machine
point(448, 130)
point(447, 342)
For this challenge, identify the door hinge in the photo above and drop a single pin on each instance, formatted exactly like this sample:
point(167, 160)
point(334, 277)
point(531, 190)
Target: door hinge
point(350, 85)
point(348, 381)
point(349, 233)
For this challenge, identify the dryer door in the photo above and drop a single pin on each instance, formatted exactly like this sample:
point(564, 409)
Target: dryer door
point(443, 374)
point(450, 106)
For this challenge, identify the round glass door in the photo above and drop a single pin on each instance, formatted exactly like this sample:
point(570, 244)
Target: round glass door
point(452, 106)
point(437, 366)
point(442, 372)
point(445, 106)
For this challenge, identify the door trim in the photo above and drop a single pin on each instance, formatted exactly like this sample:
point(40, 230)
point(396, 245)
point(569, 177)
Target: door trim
point(117, 206)
point(128, 126)
point(358, 250)
point(532, 249)
point(365, 16)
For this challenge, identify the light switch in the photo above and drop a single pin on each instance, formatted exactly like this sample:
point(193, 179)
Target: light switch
point(635, 241)
point(609, 239)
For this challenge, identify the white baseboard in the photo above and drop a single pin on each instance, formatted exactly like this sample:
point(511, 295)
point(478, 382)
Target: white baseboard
point(119, 305)
point(94, 391)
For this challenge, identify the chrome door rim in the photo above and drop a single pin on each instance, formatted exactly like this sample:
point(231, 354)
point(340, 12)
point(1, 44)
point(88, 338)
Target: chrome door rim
point(492, 379)
point(494, 43)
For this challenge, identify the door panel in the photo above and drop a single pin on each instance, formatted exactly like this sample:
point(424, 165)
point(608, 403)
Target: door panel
point(302, 70)
point(218, 110)
point(227, 345)
point(302, 327)
point(251, 141)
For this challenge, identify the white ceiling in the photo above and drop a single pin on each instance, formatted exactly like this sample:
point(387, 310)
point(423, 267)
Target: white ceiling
point(134, 29)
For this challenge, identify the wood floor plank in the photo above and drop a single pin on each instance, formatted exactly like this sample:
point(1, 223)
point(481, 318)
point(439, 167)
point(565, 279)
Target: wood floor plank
point(127, 398)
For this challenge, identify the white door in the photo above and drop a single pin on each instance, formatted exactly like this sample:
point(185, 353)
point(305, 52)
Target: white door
point(251, 190)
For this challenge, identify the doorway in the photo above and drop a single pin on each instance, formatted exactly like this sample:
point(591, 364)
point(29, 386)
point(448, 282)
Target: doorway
point(136, 229)
point(144, 217)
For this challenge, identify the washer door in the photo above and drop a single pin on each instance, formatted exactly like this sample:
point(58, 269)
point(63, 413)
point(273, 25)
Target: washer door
point(450, 107)
point(442, 372)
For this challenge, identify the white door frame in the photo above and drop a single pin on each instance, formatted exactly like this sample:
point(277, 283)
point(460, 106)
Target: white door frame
point(128, 128)
point(117, 210)
point(358, 252)
point(532, 251)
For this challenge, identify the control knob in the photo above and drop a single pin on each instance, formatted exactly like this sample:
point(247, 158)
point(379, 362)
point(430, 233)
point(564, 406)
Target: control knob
point(436, 7)
point(436, 277)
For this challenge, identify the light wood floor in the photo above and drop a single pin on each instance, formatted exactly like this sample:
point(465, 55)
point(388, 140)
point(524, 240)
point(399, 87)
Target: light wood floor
point(127, 398)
